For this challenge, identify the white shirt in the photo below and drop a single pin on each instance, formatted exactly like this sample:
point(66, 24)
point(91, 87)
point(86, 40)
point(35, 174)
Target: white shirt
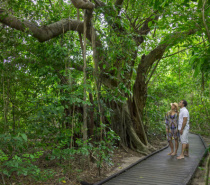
point(183, 114)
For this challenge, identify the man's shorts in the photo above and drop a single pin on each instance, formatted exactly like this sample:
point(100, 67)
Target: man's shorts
point(184, 136)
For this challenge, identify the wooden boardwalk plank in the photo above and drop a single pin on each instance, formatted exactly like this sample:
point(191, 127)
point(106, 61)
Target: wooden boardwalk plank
point(161, 168)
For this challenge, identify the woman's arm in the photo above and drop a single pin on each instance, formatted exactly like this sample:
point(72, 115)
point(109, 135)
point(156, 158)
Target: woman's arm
point(166, 122)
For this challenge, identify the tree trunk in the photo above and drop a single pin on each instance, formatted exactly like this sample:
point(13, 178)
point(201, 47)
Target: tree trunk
point(139, 101)
point(123, 124)
point(202, 82)
point(84, 81)
point(13, 117)
point(91, 112)
point(5, 104)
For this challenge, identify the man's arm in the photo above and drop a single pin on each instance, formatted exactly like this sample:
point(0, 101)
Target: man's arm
point(183, 124)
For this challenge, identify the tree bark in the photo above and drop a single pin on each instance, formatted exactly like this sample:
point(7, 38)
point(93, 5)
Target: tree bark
point(123, 125)
point(202, 82)
point(13, 118)
point(43, 33)
point(5, 103)
point(91, 110)
point(80, 4)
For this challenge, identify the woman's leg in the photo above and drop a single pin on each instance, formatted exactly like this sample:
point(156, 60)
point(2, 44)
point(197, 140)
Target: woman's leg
point(176, 147)
point(171, 146)
point(169, 138)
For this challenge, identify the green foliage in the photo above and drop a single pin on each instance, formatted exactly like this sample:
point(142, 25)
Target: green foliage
point(3, 157)
point(102, 150)
point(173, 81)
point(22, 162)
point(10, 143)
point(200, 60)
point(42, 88)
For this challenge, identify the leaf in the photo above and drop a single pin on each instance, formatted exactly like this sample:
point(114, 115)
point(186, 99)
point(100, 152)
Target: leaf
point(199, 4)
point(5, 172)
point(24, 136)
point(197, 69)
point(150, 23)
point(200, 168)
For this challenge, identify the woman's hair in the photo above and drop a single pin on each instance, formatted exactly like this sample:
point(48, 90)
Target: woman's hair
point(169, 112)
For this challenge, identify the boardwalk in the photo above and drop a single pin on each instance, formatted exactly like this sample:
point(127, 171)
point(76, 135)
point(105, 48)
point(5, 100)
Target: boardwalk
point(161, 169)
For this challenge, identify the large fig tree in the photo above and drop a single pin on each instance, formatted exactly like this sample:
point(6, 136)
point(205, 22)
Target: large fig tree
point(128, 39)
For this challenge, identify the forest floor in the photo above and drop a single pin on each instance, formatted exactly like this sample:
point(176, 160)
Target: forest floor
point(121, 159)
point(74, 172)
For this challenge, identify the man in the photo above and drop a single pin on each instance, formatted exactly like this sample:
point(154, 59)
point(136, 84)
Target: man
point(183, 128)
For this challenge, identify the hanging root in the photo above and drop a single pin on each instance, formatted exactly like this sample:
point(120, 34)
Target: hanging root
point(3, 178)
point(152, 148)
point(124, 147)
point(142, 152)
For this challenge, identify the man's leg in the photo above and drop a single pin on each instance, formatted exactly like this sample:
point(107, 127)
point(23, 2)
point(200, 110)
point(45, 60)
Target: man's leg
point(186, 153)
point(176, 147)
point(182, 153)
point(184, 141)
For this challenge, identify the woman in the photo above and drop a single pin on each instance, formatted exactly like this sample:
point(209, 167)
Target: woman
point(171, 120)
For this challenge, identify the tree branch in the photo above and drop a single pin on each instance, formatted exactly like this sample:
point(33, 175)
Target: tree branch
point(118, 2)
point(43, 33)
point(153, 70)
point(48, 32)
point(182, 50)
point(80, 4)
point(88, 6)
point(158, 52)
point(145, 29)
point(108, 11)
point(99, 3)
